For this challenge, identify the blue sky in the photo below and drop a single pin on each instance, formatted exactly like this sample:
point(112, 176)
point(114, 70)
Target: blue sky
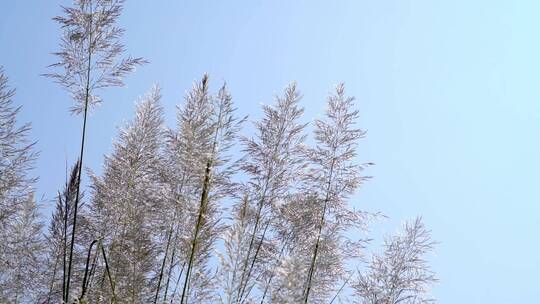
point(448, 91)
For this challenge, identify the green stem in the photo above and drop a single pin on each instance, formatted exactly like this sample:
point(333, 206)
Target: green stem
point(204, 195)
point(87, 95)
point(163, 264)
point(202, 208)
point(177, 282)
point(171, 265)
point(253, 265)
point(109, 274)
point(86, 270)
point(64, 248)
point(321, 224)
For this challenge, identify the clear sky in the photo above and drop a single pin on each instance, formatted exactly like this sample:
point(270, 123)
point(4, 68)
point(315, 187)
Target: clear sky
point(448, 91)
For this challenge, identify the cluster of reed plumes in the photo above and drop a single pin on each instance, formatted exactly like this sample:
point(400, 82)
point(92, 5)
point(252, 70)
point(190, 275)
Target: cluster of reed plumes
point(196, 213)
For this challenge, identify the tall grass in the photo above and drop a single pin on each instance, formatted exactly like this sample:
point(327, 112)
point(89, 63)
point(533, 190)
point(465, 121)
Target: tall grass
point(88, 59)
point(155, 214)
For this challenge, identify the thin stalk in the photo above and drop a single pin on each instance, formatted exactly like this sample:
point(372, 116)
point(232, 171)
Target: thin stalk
point(163, 264)
point(242, 288)
point(86, 270)
point(253, 264)
point(53, 275)
point(66, 212)
point(177, 282)
point(272, 276)
point(321, 224)
point(93, 268)
point(87, 95)
point(168, 244)
point(313, 260)
point(171, 266)
point(238, 249)
point(202, 207)
point(108, 274)
point(204, 197)
point(243, 285)
point(340, 289)
point(101, 282)
point(246, 262)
